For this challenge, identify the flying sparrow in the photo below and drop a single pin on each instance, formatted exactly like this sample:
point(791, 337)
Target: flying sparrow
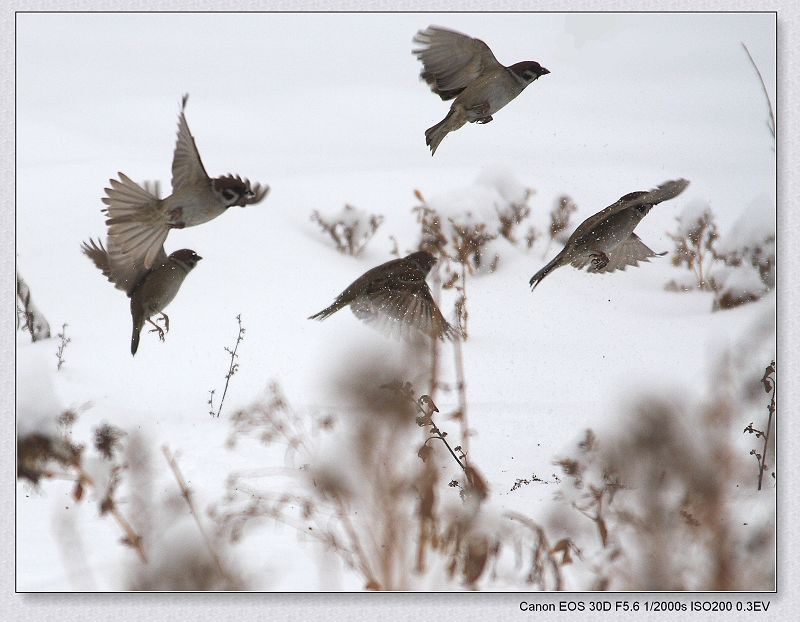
point(138, 220)
point(150, 290)
point(460, 67)
point(395, 298)
point(606, 242)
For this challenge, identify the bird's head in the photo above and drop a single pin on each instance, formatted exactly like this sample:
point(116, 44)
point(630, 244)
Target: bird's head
point(528, 70)
point(186, 257)
point(423, 259)
point(634, 197)
point(237, 191)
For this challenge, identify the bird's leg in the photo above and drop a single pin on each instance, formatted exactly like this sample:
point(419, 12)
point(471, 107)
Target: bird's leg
point(599, 260)
point(484, 120)
point(157, 329)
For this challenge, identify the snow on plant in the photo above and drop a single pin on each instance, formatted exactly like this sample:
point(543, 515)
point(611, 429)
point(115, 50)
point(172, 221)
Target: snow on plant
point(350, 229)
point(28, 315)
point(468, 228)
point(45, 450)
point(694, 237)
point(471, 220)
point(738, 267)
point(734, 286)
point(748, 252)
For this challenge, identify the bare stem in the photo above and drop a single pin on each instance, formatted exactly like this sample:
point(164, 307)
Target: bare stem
point(132, 538)
point(438, 434)
point(771, 125)
point(62, 346)
point(233, 367)
point(437, 290)
point(762, 463)
point(187, 495)
point(543, 544)
point(461, 385)
point(344, 516)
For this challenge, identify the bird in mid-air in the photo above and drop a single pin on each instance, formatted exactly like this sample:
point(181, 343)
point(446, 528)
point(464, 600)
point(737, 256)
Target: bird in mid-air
point(457, 66)
point(138, 220)
point(150, 290)
point(606, 242)
point(395, 298)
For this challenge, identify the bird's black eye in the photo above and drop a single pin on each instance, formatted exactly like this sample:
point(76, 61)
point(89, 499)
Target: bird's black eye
point(229, 194)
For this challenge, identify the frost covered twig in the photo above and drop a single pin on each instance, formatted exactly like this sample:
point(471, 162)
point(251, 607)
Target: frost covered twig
point(695, 240)
point(350, 230)
point(35, 322)
point(232, 369)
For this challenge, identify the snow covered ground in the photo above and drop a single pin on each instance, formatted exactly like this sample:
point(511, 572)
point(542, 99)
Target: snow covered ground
point(328, 109)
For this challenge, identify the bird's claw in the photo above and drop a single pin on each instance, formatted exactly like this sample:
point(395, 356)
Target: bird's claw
point(599, 260)
point(158, 330)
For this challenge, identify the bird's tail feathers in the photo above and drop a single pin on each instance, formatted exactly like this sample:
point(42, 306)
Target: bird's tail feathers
point(138, 323)
point(435, 135)
point(135, 223)
point(325, 313)
point(135, 338)
point(126, 200)
point(537, 278)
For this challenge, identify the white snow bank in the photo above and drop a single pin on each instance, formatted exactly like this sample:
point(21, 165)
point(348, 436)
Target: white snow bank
point(755, 227)
point(37, 404)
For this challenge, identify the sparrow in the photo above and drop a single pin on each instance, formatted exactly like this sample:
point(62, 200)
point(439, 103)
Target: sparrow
point(606, 242)
point(150, 290)
point(395, 298)
point(138, 220)
point(460, 67)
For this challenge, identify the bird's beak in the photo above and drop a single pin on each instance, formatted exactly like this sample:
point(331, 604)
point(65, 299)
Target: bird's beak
point(199, 258)
point(545, 71)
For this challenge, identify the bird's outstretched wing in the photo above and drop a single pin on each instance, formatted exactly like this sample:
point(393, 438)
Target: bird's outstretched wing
point(664, 192)
point(451, 60)
point(187, 167)
point(124, 273)
point(403, 313)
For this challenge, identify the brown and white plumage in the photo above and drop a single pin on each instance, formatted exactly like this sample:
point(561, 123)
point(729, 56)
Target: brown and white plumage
point(394, 298)
point(150, 290)
point(605, 241)
point(139, 221)
point(456, 66)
